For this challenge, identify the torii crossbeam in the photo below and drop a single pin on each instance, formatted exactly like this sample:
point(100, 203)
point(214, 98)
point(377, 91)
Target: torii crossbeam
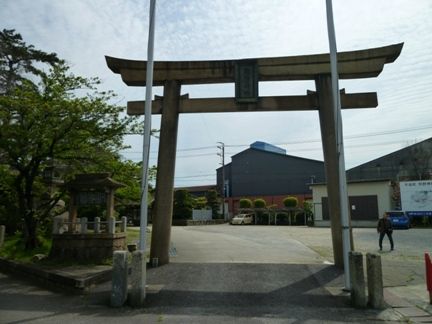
point(246, 74)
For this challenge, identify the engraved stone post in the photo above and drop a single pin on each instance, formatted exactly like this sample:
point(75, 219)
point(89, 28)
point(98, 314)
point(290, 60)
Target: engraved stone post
point(119, 279)
point(137, 292)
point(375, 280)
point(358, 287)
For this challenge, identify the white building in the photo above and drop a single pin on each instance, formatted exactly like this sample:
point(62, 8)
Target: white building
point(368, 200)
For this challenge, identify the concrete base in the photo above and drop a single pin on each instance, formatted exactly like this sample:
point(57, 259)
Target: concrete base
point(72, 279)
point(190, 222)
point(354, 223)
point(86, 247)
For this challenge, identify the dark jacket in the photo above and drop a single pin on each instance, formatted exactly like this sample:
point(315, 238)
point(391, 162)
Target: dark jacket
point(384, 226)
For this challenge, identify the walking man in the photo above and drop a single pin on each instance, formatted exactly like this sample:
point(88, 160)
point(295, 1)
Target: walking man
point(385, 227)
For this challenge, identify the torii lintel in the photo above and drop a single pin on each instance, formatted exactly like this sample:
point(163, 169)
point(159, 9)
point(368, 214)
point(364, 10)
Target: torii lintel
point(351, 65)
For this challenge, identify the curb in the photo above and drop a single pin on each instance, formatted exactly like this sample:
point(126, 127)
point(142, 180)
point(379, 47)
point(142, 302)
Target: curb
point(78, 284)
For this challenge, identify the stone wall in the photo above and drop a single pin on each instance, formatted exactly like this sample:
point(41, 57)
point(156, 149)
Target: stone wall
point(86, 247)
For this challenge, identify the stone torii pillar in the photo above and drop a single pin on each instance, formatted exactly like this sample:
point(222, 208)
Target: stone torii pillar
point(246, 74)
point(161, 230)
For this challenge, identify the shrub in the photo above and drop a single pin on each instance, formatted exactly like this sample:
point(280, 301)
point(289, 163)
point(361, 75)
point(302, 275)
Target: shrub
point(308, 212)
point(259, 203)
point(200, 203)
point(282, 219)
point(213, 203)
point(183, 202)
point(245, 203)
point(290, 202)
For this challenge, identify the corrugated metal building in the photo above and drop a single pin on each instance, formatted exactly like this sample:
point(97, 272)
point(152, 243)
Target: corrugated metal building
point(265, 171)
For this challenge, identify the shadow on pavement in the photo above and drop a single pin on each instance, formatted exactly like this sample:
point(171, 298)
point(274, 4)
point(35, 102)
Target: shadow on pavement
point(280, 291)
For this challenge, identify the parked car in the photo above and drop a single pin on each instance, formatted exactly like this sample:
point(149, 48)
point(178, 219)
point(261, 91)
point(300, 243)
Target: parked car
point(399, 219)
point(242, 219)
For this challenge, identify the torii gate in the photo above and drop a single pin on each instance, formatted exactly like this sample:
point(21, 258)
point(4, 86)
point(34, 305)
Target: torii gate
point(246, 74)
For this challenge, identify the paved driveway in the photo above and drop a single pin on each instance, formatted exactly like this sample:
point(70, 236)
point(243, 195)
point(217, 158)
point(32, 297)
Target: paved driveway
point(242, 243)
point(300, 245)
point(223, 273)
point(403, 269)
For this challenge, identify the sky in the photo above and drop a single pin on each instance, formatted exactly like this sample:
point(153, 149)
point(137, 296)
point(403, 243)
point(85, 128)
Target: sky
point(83, 31)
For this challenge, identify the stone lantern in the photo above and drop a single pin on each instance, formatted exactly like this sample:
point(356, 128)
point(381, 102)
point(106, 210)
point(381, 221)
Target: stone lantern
point(79, 242)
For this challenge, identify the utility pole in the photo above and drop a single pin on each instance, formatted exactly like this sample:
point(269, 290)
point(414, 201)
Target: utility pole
point(222, 155)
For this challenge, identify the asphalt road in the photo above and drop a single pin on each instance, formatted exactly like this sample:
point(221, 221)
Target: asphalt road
point(403, 268)
point(198, 293)
point(300, 244)
point(232, 274)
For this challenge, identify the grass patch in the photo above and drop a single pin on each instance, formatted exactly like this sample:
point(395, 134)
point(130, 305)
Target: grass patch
point(14, 248)
point(133, 236)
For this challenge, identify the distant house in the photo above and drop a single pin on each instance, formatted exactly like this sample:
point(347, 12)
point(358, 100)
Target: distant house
point(198, 191)
point(372, 186)
point(367, 201)
point(266, 171)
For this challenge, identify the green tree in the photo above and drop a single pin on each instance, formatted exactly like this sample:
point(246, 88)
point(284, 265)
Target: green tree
point(291, 203)
point(200, 202)
point(19, 61)
point(183, 203)
point(8, 203)
point(213, 202)
point(44, 119)
point(308, 212)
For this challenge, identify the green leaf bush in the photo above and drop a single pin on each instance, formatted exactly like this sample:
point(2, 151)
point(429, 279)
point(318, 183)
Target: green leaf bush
point(245, 203)
point(290, 202)
point(259, 203)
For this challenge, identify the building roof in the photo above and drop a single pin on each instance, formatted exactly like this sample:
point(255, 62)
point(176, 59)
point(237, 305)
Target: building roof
point(270, 154)
point(394, 153)
point(93, 181)
point(197, 188)
point(352, 181)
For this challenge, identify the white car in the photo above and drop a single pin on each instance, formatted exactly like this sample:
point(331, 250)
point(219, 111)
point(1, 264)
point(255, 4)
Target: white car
point(242, 219)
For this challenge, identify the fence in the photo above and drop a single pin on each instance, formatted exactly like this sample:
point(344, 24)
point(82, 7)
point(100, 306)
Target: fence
point(201, 214)
point(82, 226)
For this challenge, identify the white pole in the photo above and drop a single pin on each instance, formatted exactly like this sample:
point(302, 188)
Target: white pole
point(146, 154)
point(147, 129)
point(346, 244)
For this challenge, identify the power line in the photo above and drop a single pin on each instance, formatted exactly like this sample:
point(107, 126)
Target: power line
point(198, 176)
point(354, 136)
